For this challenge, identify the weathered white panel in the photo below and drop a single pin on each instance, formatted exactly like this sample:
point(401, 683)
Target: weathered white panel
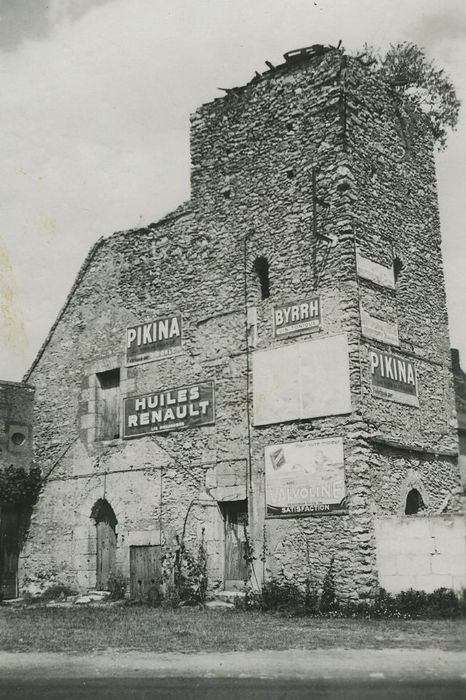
point(423, 553)
point(377, 329)
point(276, 391)
point(302, 380)
point(370, 270)
point(324, 369)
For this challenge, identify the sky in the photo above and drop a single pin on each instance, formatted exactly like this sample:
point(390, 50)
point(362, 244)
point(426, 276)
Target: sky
point(96, 97)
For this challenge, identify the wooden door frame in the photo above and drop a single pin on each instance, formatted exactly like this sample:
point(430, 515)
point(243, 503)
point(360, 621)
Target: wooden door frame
point(229, 508)
point(102, 511)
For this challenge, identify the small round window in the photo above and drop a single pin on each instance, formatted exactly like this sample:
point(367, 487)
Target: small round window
point(18, 439)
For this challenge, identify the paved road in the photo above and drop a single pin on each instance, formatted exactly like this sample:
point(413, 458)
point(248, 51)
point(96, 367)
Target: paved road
point(230, 689)
point(294, 674)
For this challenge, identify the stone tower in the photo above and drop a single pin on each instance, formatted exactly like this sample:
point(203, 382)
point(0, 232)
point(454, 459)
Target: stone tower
point(316, 168)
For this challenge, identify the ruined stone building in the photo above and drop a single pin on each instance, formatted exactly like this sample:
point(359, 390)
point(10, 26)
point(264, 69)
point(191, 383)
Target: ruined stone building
point(269, 363)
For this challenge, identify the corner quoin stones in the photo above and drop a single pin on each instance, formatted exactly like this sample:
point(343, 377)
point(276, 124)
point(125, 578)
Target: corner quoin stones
point(309, 168)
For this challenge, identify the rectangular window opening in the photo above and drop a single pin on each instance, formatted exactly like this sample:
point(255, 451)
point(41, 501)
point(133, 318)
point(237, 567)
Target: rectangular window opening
point(108, 404)
point(109, 379)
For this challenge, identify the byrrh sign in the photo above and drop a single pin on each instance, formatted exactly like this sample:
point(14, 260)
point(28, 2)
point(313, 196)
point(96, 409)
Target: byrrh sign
point(393, 377)
point(296, 317)
point(172, 409)
point(153, 340)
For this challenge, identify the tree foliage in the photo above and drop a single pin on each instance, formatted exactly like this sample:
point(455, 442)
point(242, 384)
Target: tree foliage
point(420, 85)
point(19, 487)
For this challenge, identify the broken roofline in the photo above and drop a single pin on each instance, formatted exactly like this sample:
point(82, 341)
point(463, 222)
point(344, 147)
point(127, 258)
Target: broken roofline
point(172, 216)
point(292, 58)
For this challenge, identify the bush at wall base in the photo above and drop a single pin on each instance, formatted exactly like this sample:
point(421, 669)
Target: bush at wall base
point(288, 598)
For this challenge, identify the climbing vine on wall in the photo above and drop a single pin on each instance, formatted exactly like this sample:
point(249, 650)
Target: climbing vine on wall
point(18, 486)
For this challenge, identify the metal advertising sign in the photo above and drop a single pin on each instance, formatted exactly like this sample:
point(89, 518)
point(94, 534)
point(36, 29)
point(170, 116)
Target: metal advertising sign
point(305, 478)
point(300, 380)
point(370, 270)
point(377, 329)
point(171, 409)
point(296, 317)
point(393, 377)
point(153, 340)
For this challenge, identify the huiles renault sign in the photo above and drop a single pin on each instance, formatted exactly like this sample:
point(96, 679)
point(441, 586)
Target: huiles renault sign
point(154, 340)
point(171, 409)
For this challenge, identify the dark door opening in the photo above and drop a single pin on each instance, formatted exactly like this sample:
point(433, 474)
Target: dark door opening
point(235, 515)
point(9, 551)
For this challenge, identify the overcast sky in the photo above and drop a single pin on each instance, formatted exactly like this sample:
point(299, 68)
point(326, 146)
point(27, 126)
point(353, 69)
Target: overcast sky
point(95, 104)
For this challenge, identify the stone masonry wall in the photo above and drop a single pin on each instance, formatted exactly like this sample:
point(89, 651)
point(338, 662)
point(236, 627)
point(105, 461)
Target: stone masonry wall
point(396, 217)
point(260, 148)
point(134, 277)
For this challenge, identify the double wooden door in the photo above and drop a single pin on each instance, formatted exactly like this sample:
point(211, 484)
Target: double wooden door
point(145, 566)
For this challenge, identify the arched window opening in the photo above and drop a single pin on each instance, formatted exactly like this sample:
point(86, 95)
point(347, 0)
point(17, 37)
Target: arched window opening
point(102, 511)
point(261, 267)
point(397, 267)
point(414, 502)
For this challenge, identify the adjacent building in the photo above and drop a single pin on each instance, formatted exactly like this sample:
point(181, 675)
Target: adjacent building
point(268, 367)
point(460, 394)
point(16, 422)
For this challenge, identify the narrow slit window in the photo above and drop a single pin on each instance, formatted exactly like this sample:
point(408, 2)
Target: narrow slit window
point(397, 268)
point(414, 502)
point(261, 267)
point(108, 404)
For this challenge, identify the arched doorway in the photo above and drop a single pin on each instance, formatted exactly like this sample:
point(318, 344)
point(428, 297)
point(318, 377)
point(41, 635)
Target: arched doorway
point(105, 522)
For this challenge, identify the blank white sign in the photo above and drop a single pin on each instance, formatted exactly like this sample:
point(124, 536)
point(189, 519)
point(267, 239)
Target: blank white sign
point(301, 380)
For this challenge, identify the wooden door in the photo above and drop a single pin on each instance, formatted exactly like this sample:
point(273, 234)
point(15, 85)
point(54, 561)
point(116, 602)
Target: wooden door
point(9, 551)
point(145, 567)
point(236, 568)
point(106, 553)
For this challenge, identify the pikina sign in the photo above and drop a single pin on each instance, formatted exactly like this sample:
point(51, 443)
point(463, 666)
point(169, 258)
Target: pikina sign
point(153, 340)
point(171, 409)
point(393, 377)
